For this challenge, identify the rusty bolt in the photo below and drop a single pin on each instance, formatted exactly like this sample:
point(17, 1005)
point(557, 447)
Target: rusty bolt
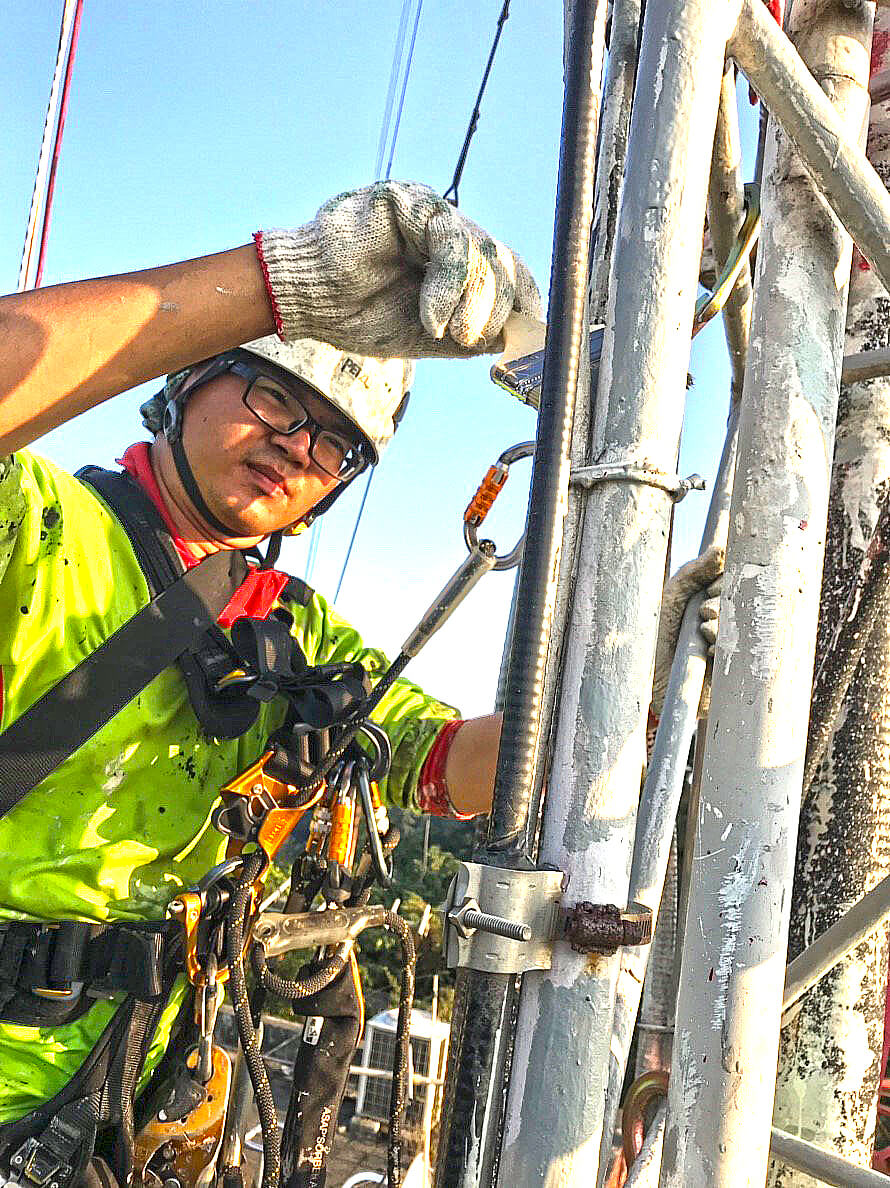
point(603, 928)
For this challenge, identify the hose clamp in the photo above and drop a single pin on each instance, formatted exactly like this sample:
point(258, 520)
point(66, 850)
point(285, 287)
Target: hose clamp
point(637, 472)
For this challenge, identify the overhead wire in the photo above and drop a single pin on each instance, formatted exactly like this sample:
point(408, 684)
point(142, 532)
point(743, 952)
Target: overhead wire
point(451, 192)
point(34, 250)
point(393, 139)
point(382, 141)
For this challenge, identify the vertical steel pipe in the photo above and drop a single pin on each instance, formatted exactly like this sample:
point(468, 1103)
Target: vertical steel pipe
point(728, 1011)
point(557, 1090)
point(662, 790)
point(615, 127)
point(482, 1028)
point(726, 213)
point(830, 1055)
point(828, 146)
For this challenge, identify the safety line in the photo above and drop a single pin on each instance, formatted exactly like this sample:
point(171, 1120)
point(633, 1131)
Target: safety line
point(393, 84)
point(395, 136)
point(451, 192)
point(70, 12)
point(57, 145)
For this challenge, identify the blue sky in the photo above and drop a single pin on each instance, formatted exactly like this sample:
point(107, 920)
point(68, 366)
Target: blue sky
point(191, 125)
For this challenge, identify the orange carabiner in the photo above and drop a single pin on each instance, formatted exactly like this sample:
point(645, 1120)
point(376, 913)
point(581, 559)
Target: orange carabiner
point(489, 489)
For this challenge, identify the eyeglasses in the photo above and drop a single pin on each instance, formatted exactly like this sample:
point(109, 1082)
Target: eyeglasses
point(277, 407)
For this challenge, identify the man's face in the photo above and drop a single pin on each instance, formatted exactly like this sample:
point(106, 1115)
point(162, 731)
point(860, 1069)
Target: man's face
point(252, 478)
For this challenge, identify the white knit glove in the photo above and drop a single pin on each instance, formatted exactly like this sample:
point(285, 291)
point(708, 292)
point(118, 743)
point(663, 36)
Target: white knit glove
point(393, 270)
point(702, 573)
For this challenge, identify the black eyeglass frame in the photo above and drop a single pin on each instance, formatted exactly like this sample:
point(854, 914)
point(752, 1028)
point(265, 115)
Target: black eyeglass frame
point(252, 372)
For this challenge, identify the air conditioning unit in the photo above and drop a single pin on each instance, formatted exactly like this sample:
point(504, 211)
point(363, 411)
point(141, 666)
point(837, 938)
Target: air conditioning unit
point(429, 1048)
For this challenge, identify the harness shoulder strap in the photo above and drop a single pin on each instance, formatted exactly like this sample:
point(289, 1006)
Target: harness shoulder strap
point(78, 705)
point(209, 655)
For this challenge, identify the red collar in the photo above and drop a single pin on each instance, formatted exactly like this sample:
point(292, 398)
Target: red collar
point(257, 595)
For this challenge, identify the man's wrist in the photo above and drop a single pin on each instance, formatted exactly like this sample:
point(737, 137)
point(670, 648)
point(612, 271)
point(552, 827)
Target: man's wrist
point(432, 787)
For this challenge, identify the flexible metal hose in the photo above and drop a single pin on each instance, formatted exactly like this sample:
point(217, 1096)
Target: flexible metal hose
point(484, 1006)
point(562, 361)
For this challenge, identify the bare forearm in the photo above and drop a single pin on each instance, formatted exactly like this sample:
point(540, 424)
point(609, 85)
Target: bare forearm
point(471, 764)
point(67, 348)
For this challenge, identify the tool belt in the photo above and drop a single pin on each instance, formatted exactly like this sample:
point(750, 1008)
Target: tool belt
point(51, 974)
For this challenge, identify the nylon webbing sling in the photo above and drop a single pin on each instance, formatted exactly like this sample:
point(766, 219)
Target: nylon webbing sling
point(104, 682)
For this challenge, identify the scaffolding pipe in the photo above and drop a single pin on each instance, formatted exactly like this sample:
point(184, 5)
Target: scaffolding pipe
point(655, 1022)
point(661, 794)
point(830, 1056)
point(484, 1003)
point(664, 776)
point(729, 1003)
point(825, 1167)
point(555, 1104)
point(866, 365)
point(828, 146)
point(857, 923)
point(726, 213)
point(615, 126)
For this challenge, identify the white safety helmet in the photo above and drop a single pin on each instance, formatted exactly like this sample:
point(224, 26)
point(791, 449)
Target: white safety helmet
point(371, 393)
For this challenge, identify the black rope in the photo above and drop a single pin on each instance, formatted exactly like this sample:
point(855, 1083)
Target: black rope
point(399, 1096)
point(293, 989)
point(247, 1032)
point(451, 193)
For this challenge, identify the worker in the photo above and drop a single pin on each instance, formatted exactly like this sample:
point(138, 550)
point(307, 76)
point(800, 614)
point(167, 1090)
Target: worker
point(287, 364)
point(287, 373)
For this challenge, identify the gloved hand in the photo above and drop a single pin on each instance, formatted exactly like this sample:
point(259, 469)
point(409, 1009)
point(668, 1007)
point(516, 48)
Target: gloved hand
point(393, 270)
point(702, 573)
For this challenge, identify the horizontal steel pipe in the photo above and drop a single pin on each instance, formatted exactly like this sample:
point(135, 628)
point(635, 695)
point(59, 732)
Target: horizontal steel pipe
point(836, 942)
point(866, 365)
point(825, 1167)
point(846, 179)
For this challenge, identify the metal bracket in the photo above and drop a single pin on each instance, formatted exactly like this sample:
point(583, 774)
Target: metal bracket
point(515, 930)
point(279, 932)
point(637, 472)
point(522, 915)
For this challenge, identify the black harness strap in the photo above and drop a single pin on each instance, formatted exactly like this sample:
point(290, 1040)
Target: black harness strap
point(108, 679)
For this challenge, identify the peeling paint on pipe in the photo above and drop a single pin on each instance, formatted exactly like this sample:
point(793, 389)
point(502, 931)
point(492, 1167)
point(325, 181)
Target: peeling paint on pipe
point(731, 982)
point(829, 1059)
point(556, 1098)
point(829, 146)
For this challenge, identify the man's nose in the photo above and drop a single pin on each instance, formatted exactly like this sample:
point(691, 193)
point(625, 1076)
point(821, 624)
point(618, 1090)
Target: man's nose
point(295, 445)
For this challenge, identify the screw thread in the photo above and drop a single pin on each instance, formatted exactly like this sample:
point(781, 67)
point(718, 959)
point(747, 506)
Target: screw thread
point(496, 924)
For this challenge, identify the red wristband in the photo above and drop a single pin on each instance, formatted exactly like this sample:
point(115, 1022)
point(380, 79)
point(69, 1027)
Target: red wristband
point(258, 241)
point(432, 790)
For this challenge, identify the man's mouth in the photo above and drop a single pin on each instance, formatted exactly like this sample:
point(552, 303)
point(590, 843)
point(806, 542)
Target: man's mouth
point(268, 479)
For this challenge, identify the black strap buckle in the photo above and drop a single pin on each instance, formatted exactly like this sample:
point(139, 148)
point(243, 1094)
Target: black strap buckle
point(33, 1163)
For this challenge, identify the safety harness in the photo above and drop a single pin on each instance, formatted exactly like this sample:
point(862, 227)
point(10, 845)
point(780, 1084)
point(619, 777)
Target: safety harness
point(48, 972)
point(51, 974)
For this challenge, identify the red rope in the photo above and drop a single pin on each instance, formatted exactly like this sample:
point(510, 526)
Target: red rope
point(57, 144)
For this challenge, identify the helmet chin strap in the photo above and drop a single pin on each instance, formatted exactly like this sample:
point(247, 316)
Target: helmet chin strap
point(187, 478)
point(191, 487)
